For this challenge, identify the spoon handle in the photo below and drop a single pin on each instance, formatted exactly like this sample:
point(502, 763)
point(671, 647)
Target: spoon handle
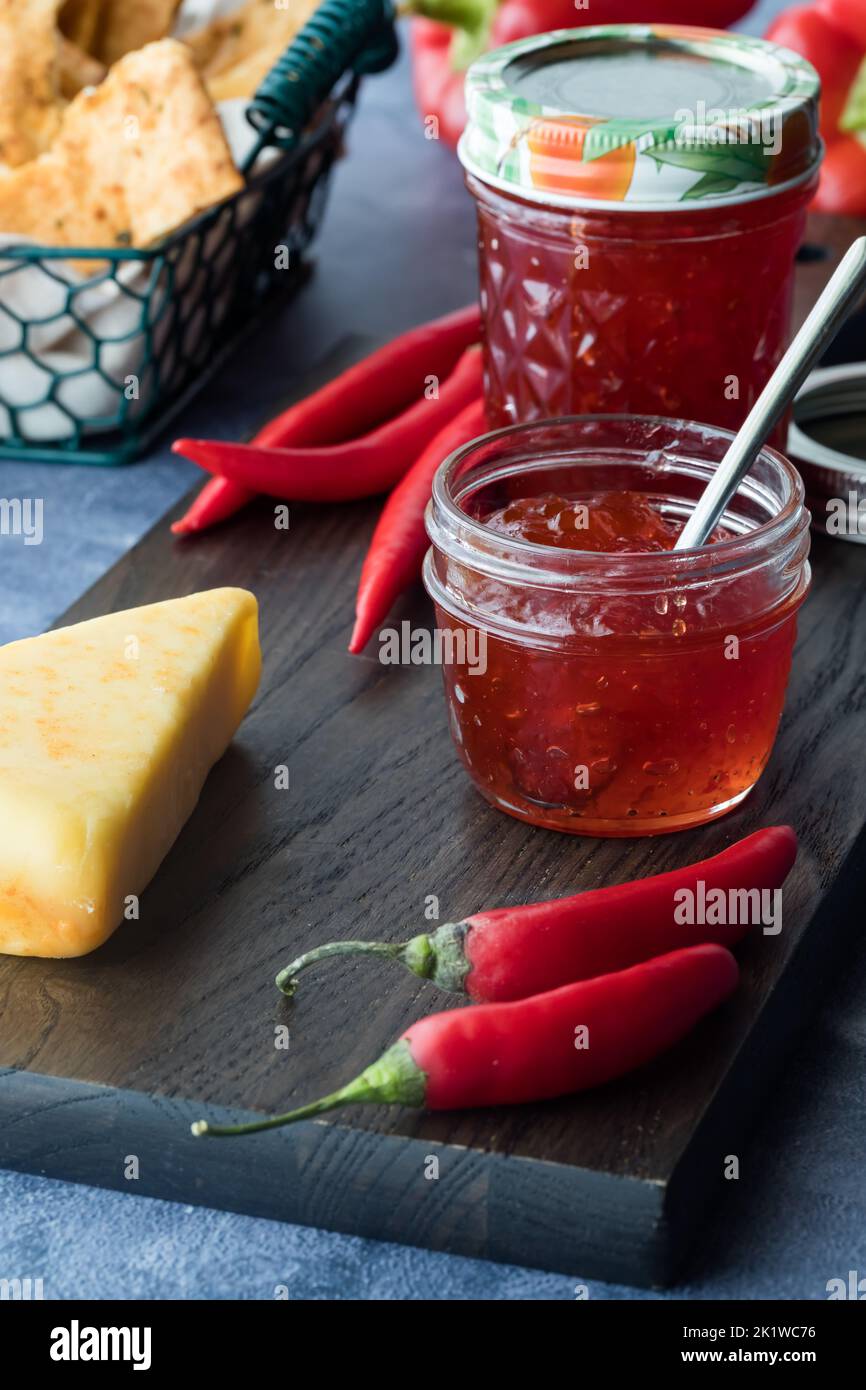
point(819, 330)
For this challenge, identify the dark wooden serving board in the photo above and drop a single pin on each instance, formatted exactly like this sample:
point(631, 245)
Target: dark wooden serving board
point(113, 1055)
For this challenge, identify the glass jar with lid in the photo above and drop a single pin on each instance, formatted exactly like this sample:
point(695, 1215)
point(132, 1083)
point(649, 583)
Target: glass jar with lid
point(641, 195)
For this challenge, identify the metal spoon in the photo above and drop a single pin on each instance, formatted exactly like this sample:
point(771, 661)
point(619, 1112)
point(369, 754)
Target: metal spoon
point(819, 330)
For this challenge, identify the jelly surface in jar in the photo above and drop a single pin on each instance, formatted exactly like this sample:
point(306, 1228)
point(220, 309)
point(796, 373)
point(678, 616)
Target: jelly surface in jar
point(651, 723)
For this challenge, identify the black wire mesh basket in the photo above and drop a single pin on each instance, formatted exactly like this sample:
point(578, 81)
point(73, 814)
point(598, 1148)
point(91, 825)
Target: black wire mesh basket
point(150, 326)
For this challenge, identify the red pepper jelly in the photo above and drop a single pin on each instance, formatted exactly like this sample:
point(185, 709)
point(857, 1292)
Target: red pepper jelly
point(616, 686)
point(641, 195)
point(615, 523)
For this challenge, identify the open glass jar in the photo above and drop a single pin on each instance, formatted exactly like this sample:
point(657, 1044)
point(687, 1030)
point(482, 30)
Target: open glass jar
point(641, 193)
point(614, 693)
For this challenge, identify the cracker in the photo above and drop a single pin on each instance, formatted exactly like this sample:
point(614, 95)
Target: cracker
point(134, 158)
point(30, 102)
point(236, 52)
point(181, 161)
point(51, 199)
point(79, 21)
point(126, 25)
point(77, 69)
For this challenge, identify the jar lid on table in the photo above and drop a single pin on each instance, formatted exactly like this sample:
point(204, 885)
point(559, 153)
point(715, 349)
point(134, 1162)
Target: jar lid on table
point(827, 442)
point(650, 116)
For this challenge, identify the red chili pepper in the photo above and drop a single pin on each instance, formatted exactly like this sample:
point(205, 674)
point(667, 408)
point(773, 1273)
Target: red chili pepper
point(514, 952)
point(399, 543)
point(343, 472)
point(553, 1044)
point(367, 394)
point(832, 35)
point(441, 54)
point(218, 500)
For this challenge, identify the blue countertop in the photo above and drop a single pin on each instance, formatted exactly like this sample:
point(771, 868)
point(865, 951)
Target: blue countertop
point(797, 1216)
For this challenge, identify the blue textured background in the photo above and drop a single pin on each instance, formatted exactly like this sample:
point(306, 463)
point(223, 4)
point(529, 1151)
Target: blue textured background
point(797, 1216)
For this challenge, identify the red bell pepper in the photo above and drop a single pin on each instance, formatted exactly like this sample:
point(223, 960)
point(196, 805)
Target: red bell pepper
point(843, 178)
point(832, 35)
point(847, 15)
point(442, 53)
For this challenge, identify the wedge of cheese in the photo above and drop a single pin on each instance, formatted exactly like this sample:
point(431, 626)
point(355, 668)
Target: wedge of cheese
point(107, 732)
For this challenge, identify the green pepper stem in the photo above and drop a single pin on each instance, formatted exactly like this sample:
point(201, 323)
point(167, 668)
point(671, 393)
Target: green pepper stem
point(287, 978)
point(438, 956)
point(853, 118)
point(470, 15)
point(305, 1112)
point(471, 21)
point(395, 1079)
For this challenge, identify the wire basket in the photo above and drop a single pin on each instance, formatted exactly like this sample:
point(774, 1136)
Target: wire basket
point(150, 326)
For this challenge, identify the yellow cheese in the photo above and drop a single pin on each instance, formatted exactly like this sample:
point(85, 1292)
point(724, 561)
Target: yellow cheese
point(107, 732)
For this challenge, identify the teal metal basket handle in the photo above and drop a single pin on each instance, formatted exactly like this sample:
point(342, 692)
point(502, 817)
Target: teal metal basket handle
point(342, 35)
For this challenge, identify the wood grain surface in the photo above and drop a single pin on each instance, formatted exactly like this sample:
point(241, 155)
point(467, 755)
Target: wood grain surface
point(113, 1054)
